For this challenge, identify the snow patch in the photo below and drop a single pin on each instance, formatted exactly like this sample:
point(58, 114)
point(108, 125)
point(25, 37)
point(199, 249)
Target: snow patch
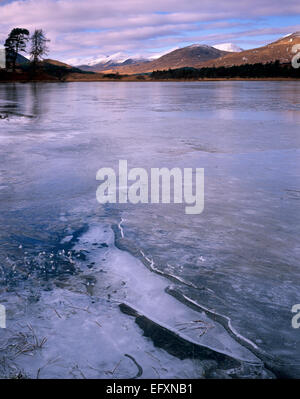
point(231, 47)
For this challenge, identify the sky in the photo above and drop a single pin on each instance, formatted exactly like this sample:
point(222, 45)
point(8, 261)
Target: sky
point(82, 30)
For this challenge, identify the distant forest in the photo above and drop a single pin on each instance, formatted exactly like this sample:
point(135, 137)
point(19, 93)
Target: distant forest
point(268, 70)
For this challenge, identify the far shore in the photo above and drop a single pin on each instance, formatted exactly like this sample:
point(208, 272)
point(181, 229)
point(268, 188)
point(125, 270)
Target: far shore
point(53, 71)
point(131, 78)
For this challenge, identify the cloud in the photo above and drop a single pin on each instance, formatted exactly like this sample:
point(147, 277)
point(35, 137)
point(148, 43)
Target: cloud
point(79, 29)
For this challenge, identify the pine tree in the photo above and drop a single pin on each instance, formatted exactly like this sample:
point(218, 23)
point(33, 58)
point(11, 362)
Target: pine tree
point(15, 43)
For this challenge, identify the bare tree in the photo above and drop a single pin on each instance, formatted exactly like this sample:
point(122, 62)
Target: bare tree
point(39, 46)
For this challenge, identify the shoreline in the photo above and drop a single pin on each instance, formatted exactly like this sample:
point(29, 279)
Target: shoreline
point(129, 79)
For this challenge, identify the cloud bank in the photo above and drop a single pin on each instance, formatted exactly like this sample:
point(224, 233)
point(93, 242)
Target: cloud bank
point(79, 30)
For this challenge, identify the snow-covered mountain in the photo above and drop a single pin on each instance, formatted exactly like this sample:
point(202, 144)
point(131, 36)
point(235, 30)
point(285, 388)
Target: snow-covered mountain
point(231, 47)
point(108, 62)
point(103, 62)
point(103, 59)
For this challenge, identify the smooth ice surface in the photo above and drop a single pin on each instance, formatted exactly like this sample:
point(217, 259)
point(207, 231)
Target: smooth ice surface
point(244, 247)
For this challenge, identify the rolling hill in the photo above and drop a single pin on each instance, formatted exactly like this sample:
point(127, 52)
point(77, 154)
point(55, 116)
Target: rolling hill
point(279, 50)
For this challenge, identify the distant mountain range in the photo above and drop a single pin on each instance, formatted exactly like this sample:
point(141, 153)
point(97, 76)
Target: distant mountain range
point(109, 63)
point(197, 56)
point(104, 63)
point(186, 56)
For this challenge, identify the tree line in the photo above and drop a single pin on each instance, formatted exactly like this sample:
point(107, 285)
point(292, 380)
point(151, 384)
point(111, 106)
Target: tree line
point(17, 42)
point(269, 70)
